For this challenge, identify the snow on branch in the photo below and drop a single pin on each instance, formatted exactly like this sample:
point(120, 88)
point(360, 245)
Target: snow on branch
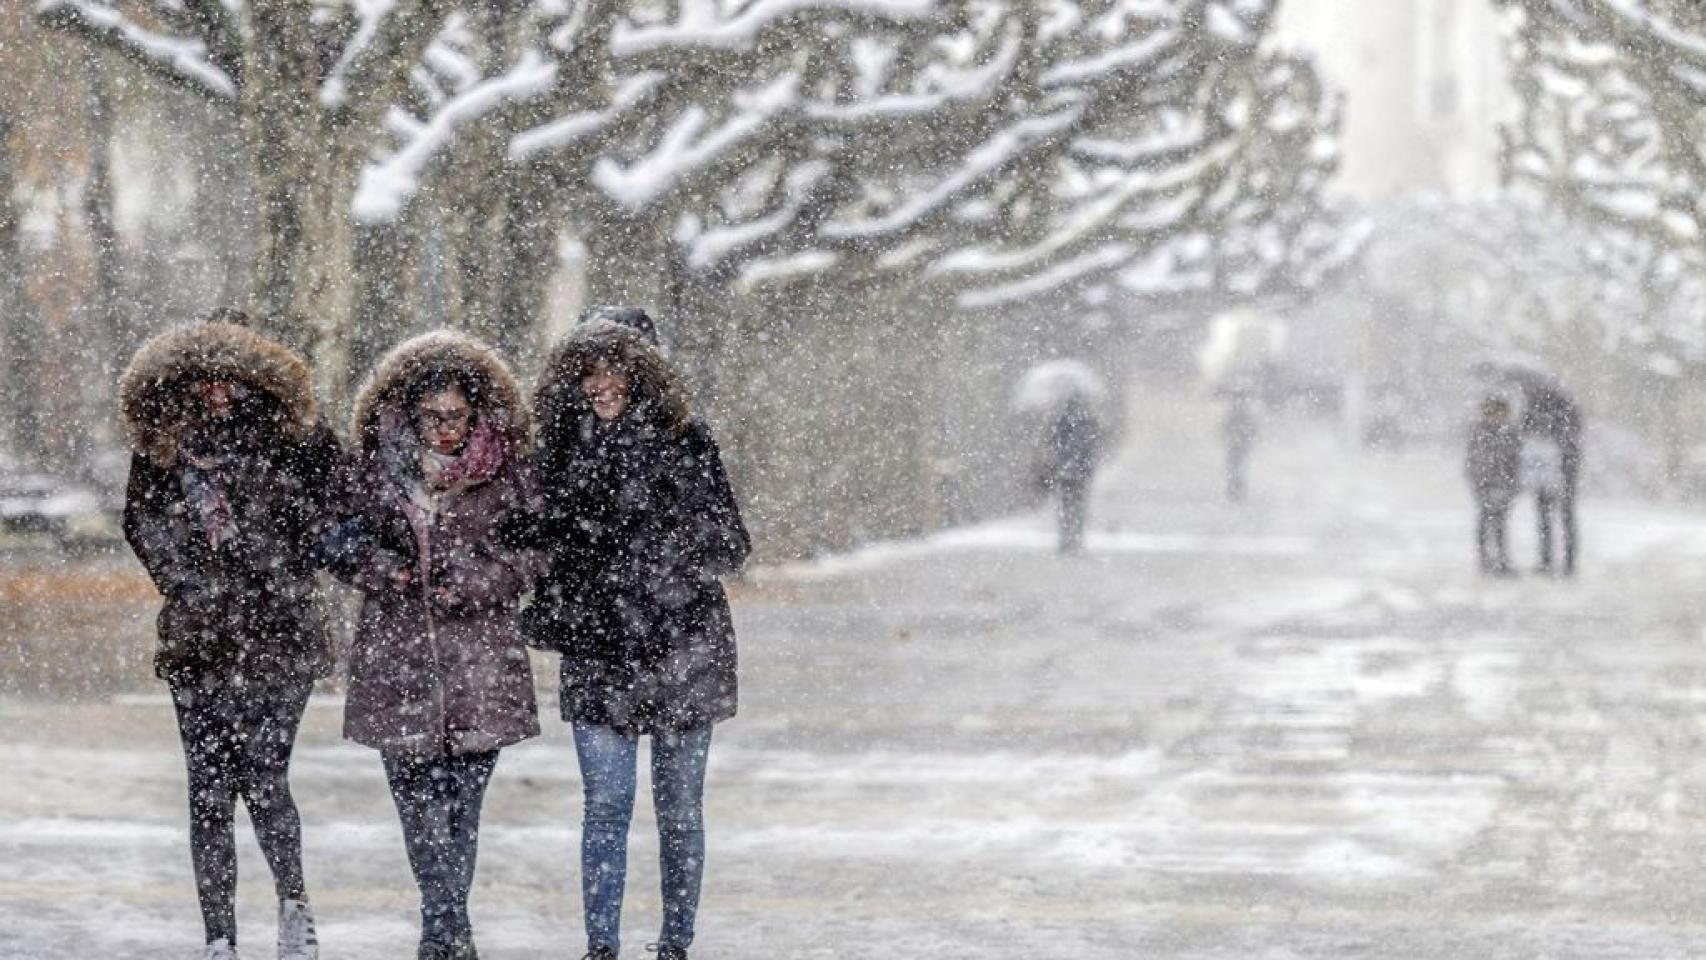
point(1145, 53)
point(564, 132)
point(973, 86)
point(177, 60)
point(701, 26)
point(682, 150)
point(999, 152)
point(389, 43)
point(387, 185)
point(1093, 263)
point(1092, 218)
point(369, 13)
point(1597, 134)
point(710, 247)
point(1679, 44)
point(1180, 136)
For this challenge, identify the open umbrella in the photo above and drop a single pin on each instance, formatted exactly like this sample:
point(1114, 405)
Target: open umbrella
point(1048, 385)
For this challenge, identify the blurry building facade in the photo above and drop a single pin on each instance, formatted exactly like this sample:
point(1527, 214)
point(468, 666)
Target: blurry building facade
point(1425, 90)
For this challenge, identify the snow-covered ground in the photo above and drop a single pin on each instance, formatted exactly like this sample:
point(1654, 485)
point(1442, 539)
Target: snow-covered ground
point(1296, 728)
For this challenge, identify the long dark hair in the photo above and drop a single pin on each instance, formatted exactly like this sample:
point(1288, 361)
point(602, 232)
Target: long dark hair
point(654, 387)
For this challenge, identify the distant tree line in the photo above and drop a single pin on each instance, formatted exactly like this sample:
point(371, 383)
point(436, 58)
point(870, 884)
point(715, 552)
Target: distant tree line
point(809, 193)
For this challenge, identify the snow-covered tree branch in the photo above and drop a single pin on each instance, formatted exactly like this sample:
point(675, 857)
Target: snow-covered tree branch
point(1003, 150)
point(182, 61)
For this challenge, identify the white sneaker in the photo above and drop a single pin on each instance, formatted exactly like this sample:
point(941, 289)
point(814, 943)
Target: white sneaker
point(296, 940)
point(220, 949)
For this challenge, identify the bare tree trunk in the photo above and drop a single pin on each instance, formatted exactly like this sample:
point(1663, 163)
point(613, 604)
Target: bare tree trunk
point(304, 172)
point(529, 245)
point(223, 204)
point(622, 258)
point(19, 324)
point(102, 339)
point(698, 311)
point(387, 301)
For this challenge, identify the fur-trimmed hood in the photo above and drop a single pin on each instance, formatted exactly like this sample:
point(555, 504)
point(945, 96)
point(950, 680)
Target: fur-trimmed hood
point(558, 400)
point(153, 390)
point(495, 393)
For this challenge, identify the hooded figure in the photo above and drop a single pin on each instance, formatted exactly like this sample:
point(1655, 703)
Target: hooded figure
point(228, 472)
point(638, 522)
point(1493, 464)
point(1551, 418)
point(439, 676)
point(222, 505)
point(1071, 448)
point(1240, 429)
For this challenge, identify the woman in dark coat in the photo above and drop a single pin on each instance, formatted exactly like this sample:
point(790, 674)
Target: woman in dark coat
point(638, 522)
point(229, 463)
point(1493, 464)
point(1072, 445)
point(439, 676)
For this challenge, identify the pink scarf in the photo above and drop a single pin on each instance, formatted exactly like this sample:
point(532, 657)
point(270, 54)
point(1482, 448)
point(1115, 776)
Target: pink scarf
point(479, 461)
point(481, 458)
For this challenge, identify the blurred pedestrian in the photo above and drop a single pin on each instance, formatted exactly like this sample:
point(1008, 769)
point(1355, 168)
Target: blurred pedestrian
point(1071, 449)
point(1543, 476)
point(1493, 465)
point(1240, 430)
point(229, 467)
point(439, 675)
point(1551, 420)
point(638, 522)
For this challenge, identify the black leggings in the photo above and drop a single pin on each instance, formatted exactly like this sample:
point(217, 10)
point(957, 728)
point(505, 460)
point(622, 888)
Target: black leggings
point(438, 801)
point(237, 743)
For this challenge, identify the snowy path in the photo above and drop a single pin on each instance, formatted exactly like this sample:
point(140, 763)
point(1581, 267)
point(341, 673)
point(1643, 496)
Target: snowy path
point(1296, 729)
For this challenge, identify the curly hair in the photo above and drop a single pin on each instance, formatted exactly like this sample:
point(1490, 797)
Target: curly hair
point(654, 385)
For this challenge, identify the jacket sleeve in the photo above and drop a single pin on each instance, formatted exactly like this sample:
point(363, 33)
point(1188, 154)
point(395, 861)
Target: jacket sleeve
point(702, 529)
point(288, 516)
point(345, 542)
point(501, 568)
point(149, 529)
point(320, 466)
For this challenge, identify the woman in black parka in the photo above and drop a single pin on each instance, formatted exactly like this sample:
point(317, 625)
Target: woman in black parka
point(638, 521)
point(229, 469)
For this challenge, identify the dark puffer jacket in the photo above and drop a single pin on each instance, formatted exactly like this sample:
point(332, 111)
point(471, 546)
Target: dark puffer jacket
point(1493, 463)
point(638, 522)
point(224, 512)
point(1072, 445)
point(426, 677)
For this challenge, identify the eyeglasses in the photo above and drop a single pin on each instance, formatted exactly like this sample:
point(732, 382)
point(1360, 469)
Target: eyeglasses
point(443, 418)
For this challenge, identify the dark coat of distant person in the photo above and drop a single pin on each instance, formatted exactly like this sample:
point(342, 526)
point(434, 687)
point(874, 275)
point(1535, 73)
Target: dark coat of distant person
point(224, 511)
point(1548, 411)
point(1072, 444)
point(1493, 462)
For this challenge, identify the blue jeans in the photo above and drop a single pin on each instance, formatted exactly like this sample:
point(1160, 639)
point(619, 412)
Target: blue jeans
point(438, 801)
point(608, 760)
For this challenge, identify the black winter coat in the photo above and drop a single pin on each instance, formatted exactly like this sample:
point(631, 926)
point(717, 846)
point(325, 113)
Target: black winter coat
point(637, 524)
point(249, 608)
point(1071, 446)
point(225, 512)
point(1493, 463)
point(1548, 412)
